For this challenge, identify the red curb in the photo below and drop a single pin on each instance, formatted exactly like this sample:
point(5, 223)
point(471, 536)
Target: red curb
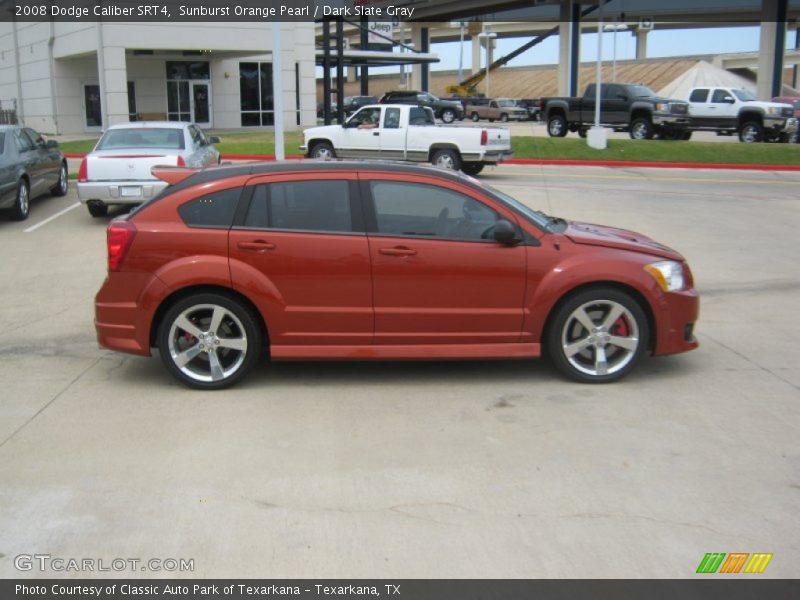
point(563, 163)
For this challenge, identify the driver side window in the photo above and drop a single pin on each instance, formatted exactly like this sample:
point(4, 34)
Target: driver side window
point(428, 211)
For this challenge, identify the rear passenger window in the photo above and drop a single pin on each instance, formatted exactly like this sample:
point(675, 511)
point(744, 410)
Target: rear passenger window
point(699, 96)
point(214, 210)
point(301, 205)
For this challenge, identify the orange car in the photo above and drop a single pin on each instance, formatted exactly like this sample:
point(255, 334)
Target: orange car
point(337, 260)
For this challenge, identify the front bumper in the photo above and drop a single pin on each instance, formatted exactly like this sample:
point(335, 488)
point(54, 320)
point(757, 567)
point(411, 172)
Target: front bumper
point(781, 124)
point(119, 192)
point(671, 120)
point(677, 315)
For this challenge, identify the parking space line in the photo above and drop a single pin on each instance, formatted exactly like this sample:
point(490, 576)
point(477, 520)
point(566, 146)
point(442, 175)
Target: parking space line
point(51, 218)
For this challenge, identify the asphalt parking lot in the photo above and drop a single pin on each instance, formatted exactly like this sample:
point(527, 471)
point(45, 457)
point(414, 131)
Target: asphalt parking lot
point(488, 469)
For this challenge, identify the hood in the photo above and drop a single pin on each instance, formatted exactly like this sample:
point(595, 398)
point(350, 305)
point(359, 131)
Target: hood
point(322, 130)
point(611, 237)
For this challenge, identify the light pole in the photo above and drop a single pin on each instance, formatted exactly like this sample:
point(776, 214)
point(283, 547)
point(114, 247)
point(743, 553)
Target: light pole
point(488, 36)
point(615, 27)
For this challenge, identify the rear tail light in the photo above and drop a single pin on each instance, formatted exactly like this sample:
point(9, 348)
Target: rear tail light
point(120, 237)
point(83, 172)
point(181, 162)
point(484, 137)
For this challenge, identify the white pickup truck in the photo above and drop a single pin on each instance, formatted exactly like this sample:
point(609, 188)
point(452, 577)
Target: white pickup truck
point(731, 110)
point(409, 133)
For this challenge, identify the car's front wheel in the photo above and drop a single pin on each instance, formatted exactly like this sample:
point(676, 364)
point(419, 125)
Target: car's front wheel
point(597, 335)
point(323, 151)
point(641, 129)
point(751, 132)
point(209, 341)
point(60, 189)
point(448, 115)
point(22, 204)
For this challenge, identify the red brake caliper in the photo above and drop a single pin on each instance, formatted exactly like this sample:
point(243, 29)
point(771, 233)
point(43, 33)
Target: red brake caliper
point(620, 328)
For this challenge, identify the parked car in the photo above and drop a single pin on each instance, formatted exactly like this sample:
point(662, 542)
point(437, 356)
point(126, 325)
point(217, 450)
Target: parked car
point(352, 103)
point(795, 102)
point(625, 107)
point(731, 111)
point(502, 109)
point(30, 166)
point(446, 110)
point(379, 261)
point(532, 106)
point(403, 132)
point(117, 171)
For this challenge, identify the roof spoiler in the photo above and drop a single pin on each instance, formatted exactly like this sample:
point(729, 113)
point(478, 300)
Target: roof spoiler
point(171, 174)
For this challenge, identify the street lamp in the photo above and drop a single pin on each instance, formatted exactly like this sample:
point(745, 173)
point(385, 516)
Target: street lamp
point(488, 36)
point(615, 27)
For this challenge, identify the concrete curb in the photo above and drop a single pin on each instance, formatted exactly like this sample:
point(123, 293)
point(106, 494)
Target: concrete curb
point(562, 163)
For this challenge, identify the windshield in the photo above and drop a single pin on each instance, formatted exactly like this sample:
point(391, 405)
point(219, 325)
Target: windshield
point(641, 91)
point(537, 217)
point(744, 95)
point(162, 139)
point(506, 103)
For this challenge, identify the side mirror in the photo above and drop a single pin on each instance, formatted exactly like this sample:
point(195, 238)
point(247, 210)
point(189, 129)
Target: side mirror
point(728, 99)
point(213, 139)
point(505, 232)
point(51, 144)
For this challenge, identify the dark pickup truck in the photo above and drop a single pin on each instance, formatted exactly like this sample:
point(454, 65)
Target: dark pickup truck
point(624, 107)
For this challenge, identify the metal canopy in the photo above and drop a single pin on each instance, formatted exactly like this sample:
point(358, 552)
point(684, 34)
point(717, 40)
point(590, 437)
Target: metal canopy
point(376, 58)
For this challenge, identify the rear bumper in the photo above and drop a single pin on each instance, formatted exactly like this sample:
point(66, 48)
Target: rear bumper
point(115, 192)
point(489, 157)
point(676, 316)
point(124, 309)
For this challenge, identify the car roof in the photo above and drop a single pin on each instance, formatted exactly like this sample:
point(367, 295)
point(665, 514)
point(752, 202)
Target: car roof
point(150, 124)
point(291, 166)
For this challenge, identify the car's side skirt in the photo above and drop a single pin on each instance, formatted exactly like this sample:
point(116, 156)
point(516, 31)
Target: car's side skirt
point(405, 352)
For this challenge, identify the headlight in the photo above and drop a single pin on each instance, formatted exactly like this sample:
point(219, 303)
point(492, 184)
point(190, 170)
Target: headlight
point(668, 274)
point(773, 110)
point(662, 107)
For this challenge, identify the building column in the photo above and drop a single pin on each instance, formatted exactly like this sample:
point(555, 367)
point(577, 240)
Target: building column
point(565, 57)
point(113, 78)
point(416, 70)
point(641, 43)
point(771, 48)
point(476, 53)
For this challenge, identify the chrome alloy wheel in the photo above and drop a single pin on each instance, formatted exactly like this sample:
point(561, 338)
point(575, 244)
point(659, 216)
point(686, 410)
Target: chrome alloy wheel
point(63, 180)
point(600, 337)
point(445, 161)
point(207, 343)
point(23, 199)
point(323, 153)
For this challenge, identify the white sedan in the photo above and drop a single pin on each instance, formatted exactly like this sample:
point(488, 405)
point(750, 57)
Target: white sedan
point(117, 171)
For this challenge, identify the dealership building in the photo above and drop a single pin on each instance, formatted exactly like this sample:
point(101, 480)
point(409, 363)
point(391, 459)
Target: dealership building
point(80, 77)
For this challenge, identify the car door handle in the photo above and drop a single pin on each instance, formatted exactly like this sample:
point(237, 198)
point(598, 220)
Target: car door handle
point(257, 245)
point(376, 133)
point(399, 251)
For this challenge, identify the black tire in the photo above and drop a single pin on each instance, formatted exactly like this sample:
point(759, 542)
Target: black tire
point(446, 159)
point(641, 129)
point(22, 203)
point(582, 132)
point(210, 364)
point(751, 132)
point(448, 115)
point(475, 118)
point(578, 352)
point(61, 187)
point(670, 134)
point(686, 136)
point(322, 151)
point(472, 168)
point(504, 118)
point(557, 125)
point(784, 138)
point(96, 208)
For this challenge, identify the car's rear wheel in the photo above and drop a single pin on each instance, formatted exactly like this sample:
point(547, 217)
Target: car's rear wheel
point(557, 126)
point(448, 115)
point(475, 117)
point(597, 335)
point(446, 159)
point(504, 118)
point(22, 204)
point(60, 189)
point(97, 208)
point(323, 151)
point(209, 341)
